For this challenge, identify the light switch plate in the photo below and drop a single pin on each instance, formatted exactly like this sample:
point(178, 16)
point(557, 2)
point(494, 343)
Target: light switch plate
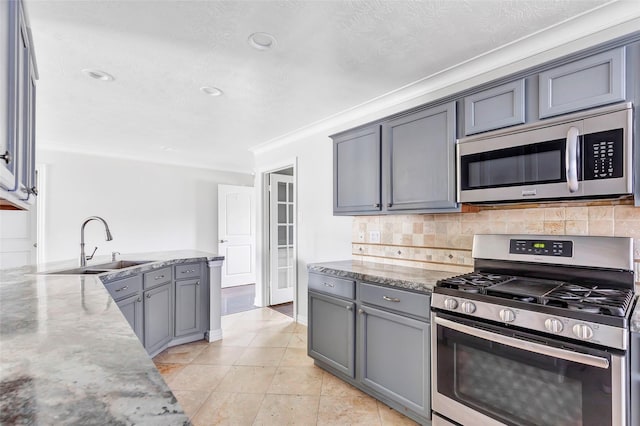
point(374, 236)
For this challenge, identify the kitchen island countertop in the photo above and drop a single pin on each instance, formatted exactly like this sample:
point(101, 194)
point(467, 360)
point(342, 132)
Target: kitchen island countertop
point(68, 355)
point(416, 279)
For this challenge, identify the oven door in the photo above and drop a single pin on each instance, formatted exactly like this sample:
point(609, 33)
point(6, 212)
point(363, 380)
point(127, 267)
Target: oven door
point(486, 376)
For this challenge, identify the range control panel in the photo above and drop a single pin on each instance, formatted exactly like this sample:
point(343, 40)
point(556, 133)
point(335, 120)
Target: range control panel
point(542, 247)
point(603, 156)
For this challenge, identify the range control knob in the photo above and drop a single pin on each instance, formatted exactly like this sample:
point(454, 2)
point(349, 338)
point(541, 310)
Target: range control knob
point(583, 331)
point(468, 307)
point(553, 325)
point(507, 315)
point(450, 303)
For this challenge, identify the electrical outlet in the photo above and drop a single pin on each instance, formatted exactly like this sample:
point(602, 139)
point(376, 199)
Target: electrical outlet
point(361, 236)
point(374, 236)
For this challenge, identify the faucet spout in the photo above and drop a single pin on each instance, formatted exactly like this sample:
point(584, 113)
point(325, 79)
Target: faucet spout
point(108, 236)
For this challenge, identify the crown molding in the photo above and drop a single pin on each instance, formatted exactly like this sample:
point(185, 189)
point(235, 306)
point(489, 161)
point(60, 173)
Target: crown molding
point(605, 23)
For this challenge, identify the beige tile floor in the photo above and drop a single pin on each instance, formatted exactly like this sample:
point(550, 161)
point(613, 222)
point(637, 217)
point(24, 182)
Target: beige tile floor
point(260, 374)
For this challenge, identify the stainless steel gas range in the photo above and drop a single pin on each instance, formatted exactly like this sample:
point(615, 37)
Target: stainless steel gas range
point(538, 334)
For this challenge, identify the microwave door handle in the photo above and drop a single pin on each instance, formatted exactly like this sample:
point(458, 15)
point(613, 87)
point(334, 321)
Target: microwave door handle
point(538, 348)
point(571, 159)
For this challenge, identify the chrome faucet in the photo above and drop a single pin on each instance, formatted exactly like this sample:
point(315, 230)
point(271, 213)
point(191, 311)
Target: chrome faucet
point(83, 257)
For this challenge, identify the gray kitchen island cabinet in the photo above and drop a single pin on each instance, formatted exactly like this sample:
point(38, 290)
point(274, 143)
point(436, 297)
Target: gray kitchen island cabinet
point(356, 171)
point(158, 318)
point(190, 300)
point(331, 331)
point(418, 161)
point(131, 308)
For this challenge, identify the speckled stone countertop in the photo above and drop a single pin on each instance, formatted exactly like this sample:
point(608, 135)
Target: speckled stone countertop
point(415, 279)
point(635, 318)
point(68, 355)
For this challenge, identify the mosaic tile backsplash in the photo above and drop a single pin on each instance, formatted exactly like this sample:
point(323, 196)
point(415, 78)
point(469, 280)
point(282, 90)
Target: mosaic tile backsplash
point(444, 241)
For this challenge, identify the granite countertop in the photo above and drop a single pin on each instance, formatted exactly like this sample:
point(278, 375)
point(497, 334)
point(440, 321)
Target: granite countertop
point(635, 318)
point(416, 279)
point(68, 355)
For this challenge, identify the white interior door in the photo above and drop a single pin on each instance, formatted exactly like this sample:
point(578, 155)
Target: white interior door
point(18, 238)
point(282, 262)
point(236, 233)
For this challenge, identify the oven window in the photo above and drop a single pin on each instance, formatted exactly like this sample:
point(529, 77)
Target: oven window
point(519, 387)
point(529, 164)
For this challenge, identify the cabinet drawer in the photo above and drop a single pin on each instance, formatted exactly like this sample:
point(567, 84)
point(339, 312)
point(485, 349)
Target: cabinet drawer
point(191, 270)
point(399, 300)
point(125, 287)
point(157, 277)
point(332, 285)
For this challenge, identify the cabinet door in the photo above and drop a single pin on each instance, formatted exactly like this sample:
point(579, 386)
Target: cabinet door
point(356, 171)
point(188, 304)
point(419, 160)
point(157, 317)
point(131, 308)
point(331, 332)
point(495, 108)
point(394, 358)
point(587, 83)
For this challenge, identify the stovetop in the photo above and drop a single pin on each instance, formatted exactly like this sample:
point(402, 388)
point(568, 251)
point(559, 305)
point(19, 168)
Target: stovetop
point(588, 298)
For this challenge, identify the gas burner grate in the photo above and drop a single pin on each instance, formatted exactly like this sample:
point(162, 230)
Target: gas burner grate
point(473, 282)
point(591, 299)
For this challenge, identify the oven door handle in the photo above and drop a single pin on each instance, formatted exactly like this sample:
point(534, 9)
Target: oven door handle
point(580, 358)
point(571, 159)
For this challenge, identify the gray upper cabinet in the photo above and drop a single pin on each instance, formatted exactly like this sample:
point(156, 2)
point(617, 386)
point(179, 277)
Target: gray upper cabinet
point(419, 160)
point(158, 318)
point(188, 307)
point(495, 108)
point(17, 108)
point(586, 83)
point(356, 171)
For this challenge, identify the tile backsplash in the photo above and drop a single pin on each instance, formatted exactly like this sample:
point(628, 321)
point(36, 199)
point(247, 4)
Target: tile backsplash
point(444, 241)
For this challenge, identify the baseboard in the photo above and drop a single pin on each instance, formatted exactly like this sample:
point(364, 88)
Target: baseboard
point(213, 335)
point(302, 319)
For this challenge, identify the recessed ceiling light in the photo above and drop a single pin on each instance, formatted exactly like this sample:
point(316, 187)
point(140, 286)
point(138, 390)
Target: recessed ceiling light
point(262, 41)
point(98, 75)
point(211, 91)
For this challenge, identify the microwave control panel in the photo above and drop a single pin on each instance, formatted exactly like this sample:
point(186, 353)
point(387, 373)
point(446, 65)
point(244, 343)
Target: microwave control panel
point(603, 155)
point(560, 248)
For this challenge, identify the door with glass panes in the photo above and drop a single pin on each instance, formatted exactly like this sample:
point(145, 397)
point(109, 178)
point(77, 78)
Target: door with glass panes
point(282, 239)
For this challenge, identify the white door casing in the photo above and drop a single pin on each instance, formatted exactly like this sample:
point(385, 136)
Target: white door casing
point(236, 234)
point(282, 263)
point(18, 238)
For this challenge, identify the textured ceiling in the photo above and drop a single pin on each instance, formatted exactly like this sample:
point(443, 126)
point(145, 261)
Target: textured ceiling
point(330, 56)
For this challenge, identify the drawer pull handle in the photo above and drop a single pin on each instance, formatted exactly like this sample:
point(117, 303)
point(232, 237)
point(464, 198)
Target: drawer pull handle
point(122, 288)
point(329, 285)
point(391, 299)
point(160, 277)
point(188, 271)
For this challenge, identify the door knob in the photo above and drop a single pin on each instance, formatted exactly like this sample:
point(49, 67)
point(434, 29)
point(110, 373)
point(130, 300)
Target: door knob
point(224, 241)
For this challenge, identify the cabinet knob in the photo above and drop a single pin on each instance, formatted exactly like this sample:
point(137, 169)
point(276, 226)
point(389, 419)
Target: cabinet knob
point(139, 300)
point(376, 205)
point(349, 308)
point(389, 204)
point(148, 296)
point(6, 157)
point(360, 311)
point(197, 282)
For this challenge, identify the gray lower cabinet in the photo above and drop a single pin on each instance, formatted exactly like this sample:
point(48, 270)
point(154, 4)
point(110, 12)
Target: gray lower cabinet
point(586, 83)
point(158, 318)
point(188, 307)
point(331, 338)
point(131, 308)
point(418, 160)
point(393, 358)
point(356, 171)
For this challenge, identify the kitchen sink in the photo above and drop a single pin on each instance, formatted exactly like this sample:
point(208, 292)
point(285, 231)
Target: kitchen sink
point(101, 268)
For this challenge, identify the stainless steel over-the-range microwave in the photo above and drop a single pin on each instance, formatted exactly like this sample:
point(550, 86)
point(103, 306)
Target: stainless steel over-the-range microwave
point(580, 155)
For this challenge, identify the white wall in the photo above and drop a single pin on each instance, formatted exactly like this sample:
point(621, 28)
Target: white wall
point(149, 207)
point(321, 236)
